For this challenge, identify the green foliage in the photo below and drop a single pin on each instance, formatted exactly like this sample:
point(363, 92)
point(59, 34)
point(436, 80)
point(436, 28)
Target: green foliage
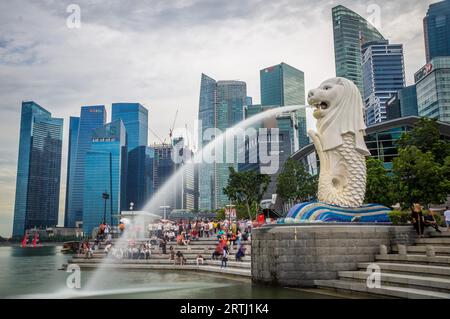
point(426, 137)
point(295, 183)
point(399, 217)
point(220, 214)
point(379, 183)
point(418, 178)
point(246, 189)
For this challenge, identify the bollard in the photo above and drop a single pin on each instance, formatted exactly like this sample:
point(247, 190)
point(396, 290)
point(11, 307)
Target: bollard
point(401, 250)
point(383, 250)
point(430, 251)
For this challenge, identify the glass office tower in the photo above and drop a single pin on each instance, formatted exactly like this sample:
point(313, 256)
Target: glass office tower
point(74, 128)
point(105, 171)
point(141, 169)
point(38, 169)
point(284, 85)
point(135, 118)
point(350, 30)
point(383, 75)
point(433, 89)
point(221, 107)
point(436, 25)
point(91, 118)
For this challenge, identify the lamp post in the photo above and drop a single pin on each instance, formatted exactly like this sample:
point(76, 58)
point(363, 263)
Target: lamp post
point(105, 197)
point(230, 206)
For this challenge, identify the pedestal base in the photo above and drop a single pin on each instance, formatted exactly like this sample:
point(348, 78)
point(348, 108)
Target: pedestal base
point(321, 212)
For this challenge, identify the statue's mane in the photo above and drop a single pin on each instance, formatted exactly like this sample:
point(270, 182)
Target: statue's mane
point(344, 117)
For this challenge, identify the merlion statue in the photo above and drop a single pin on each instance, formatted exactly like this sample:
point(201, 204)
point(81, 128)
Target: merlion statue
point(339, 142)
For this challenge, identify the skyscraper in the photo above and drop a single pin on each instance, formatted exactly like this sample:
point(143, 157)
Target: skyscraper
point(403, 104)
point(135, 118)
point(383, 76)
point(350, 31)
point(221, 107)
point(284, 85)
point(105, 171)
point(38, 169)
point(436, 25)
point(433, 89)
point(140, 176)
point(74, 128)
point(91, 118)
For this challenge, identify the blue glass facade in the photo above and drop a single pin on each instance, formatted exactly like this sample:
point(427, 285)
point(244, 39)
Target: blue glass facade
point(221, 106)
point(38, 169)
point(349, 31)
point(284, 85)
point(91, 118)
point(140, 176)
point(437, 30)
point(74, 127)
point(383, 75)
point(135, 118)
point(105, 168)
point(206, 115)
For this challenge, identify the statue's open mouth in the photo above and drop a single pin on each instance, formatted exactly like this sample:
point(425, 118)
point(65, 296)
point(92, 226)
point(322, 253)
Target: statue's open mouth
point(321, 105)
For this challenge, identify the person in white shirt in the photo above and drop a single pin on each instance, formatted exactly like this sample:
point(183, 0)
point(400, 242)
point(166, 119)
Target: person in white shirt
point(447, 217)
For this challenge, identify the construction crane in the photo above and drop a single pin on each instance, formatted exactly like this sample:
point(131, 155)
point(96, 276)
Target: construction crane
point(173, 125)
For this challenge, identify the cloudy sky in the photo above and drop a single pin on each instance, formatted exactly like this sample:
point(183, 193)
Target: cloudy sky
point(154, 51)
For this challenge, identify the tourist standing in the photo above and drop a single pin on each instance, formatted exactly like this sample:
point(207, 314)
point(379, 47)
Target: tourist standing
point(417, 219)
point(224, 257)
point(447, 217)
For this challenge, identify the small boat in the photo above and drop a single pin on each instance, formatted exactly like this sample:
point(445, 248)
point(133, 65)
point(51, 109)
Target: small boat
point(70, 247)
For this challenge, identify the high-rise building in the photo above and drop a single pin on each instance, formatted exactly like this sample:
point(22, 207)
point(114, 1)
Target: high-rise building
point(403, 104)
point(221, 106)
point(284, 85)
point(74, 128)
point(38, 169)
point(433, 89)
point(163, 169)
point(105, 171)
point(91, 118)
point(135, 118)
point(350, 31)
point(383, 75)
point(436, 25)
point(140, 176)
point(186, 186)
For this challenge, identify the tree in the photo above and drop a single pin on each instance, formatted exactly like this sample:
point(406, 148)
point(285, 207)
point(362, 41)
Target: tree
point(247, 189)
point(379, 183)
point(418, 178)
point(426, 137)
point(295, 183)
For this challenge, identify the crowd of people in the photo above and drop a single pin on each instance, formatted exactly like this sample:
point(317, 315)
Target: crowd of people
point(227, 235)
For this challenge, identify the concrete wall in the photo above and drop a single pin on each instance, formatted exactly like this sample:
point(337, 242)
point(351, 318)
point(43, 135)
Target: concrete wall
point(296, 255)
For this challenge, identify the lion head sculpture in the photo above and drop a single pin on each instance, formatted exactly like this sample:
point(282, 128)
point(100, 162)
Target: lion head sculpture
point(338, 110)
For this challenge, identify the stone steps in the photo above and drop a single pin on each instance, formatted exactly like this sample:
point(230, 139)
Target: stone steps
point(438, 241)
point(402, 280)
point(415, 259)
point(410, 268)
point(412, 275)
point(391, 291)
point(439, 250)
point(245, 273)
point(154, 257)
